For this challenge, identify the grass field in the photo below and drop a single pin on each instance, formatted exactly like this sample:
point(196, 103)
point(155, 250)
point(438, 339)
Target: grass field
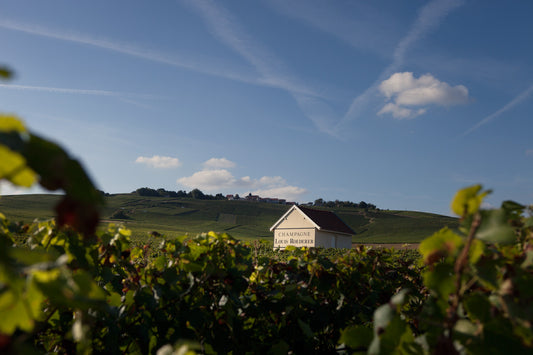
point(243, 220)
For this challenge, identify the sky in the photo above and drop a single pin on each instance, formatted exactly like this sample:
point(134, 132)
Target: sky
point(395, 103)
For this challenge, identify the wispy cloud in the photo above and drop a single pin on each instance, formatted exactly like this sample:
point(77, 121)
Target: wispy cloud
point(193, 64)
point(517, 100)
point(76, 91)
point(358, 24)
point(271, 69)
point(259, 59)
point(428, 20)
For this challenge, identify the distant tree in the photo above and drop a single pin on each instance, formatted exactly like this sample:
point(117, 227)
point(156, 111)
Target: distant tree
point(119, 214)
point(219, 197)
point(319, 202)
point(101, 192)
point(197, 194)
point(236, 197)
point(146, 191)
point(181, 193)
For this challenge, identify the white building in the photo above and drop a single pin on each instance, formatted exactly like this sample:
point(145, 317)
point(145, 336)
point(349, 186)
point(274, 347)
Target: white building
point(306, 227)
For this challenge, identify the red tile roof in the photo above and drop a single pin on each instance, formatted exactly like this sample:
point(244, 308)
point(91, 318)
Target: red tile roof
point(327, 220)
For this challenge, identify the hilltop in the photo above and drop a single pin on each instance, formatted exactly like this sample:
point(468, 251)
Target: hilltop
point(242, 219)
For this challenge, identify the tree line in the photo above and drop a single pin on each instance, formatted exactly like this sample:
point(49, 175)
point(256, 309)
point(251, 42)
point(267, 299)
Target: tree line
point(199, 195)
point(196, 194)
point(336, 204)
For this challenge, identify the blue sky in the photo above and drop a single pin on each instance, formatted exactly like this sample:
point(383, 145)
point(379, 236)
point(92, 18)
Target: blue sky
point(397, 103)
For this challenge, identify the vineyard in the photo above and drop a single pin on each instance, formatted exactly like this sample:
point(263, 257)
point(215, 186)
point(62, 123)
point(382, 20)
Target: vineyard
point(67, 287)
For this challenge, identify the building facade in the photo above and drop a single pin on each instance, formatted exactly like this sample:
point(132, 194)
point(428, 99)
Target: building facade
point(306, 227)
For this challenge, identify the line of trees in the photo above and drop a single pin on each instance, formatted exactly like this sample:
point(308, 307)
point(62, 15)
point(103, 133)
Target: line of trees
point(336, 204)
point(196, 194)
point(199, 195)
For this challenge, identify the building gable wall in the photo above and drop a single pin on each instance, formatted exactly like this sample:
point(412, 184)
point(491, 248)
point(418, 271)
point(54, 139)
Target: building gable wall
point(296, 219)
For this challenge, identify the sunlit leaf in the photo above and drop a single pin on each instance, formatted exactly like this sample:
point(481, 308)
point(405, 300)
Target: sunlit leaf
point(9, 123)
point(20, 306)
point(440, 245)
point(476, 251)
point(13, 168)
point(468, 200)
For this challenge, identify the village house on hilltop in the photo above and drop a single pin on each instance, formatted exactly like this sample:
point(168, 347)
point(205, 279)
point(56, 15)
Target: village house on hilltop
point(306, 227)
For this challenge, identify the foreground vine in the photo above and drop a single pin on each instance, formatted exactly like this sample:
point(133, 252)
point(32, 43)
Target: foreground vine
point(67, 288)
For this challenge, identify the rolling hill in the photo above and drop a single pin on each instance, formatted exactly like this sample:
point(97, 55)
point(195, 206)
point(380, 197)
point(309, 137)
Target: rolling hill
point(242, 219)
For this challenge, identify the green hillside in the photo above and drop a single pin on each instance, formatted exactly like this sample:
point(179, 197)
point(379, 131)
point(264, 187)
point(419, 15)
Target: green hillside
point(241, 219)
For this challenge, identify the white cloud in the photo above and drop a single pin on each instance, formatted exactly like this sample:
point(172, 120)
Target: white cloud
point(429, 18)
point(403, 89)
point(217, 180)
point(400, 112)
point(211, 180)
point(219, 163)
point(7, 188)
point(290, 193)
point(159, 162)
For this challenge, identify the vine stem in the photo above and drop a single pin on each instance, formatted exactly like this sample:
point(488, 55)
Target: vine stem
point(460, 265)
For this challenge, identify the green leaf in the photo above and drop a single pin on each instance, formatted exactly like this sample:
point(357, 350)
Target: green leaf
point(5, 73)
point(478, 307)
point(476, 251)
point(468, 200)
point(87, 287)
point(441, 280)
point(20, 305)
point(494, 228)
point(13, 168)
point(356, 336)
point(442, 244)
point(10, 123)
point(160, 262)
point(306, 329)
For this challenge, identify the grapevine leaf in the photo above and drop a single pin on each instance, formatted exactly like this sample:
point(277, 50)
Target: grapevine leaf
point(20, 306)
point(478, 307)
point(495, 229)
point(356, 337)
point(468, 200)
point(476, 251)
point(440, 245)
point(5, 73)
point(13, 168)
point(306, 329)
point(441, 280)
point(9, 123)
